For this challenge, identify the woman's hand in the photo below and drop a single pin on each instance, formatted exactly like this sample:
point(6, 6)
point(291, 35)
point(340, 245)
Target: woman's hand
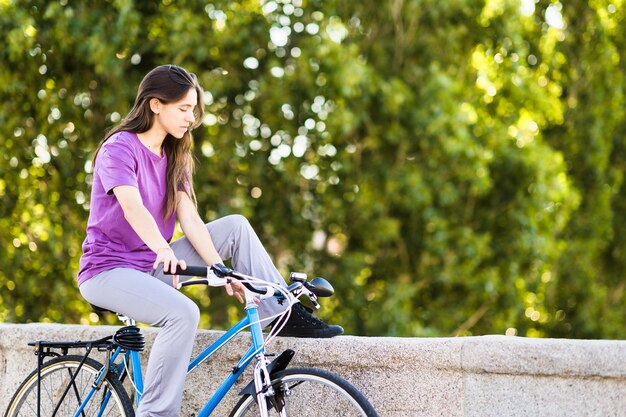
point(236, 288)
point(170, 263)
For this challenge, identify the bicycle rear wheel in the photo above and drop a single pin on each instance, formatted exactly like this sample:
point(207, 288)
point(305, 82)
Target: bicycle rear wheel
point(309, 392)
point(110, 400)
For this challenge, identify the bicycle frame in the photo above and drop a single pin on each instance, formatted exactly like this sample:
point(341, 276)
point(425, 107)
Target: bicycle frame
point(133, 358)
point(257, 348)
point(129, 356)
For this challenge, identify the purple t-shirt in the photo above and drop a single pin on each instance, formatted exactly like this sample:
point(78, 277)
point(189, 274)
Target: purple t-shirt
point(111, 242)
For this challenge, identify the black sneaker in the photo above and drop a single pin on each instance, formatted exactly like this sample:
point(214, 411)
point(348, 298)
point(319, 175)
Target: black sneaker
point(302, 323)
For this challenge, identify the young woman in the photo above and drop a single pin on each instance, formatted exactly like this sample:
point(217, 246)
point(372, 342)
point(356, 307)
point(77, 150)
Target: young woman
point(141, 186)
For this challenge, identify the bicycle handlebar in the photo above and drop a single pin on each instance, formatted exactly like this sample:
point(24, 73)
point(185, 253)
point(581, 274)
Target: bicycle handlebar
point(219, 275)
point(215, 280)
point(192, 271)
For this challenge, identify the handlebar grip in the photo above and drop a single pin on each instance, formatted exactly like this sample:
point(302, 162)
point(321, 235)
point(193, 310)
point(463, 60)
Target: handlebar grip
point(192, 271)
point(265, 292)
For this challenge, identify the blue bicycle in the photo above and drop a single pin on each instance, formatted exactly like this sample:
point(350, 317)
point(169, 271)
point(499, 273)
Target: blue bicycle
point(67, 385)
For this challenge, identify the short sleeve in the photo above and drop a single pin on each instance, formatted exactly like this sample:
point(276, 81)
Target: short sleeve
point(116, 165)
point(184, 187)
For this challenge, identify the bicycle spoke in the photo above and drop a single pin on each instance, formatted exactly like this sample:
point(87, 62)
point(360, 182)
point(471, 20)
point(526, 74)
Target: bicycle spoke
point(309, 392)
point(60, 393)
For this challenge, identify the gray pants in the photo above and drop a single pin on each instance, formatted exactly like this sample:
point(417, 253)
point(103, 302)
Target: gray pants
point(151, 299)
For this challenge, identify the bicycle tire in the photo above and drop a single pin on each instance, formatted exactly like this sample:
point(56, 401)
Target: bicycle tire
point(55, 377)
point(312, 392)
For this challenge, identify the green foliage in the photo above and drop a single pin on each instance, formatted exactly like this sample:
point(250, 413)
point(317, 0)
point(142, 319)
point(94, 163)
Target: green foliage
point(454, 167)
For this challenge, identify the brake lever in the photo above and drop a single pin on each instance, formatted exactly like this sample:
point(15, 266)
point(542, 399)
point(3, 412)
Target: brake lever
point(212, 281)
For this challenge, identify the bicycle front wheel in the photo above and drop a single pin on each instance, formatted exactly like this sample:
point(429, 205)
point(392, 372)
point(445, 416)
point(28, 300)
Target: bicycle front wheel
point(110, 400)
point(309, 392)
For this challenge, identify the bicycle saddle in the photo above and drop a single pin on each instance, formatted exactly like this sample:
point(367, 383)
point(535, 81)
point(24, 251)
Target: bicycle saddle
point(100, 310)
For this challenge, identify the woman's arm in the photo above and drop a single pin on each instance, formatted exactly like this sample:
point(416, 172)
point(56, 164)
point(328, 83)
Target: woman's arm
point(138, 216)
point(142, 222)
point(195, 230)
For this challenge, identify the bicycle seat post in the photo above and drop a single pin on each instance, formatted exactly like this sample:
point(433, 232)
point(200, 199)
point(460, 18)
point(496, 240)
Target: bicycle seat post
point(126, 320)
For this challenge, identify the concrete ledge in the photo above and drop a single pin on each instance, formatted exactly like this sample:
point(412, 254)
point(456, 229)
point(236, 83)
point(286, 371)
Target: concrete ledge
point(403, 377)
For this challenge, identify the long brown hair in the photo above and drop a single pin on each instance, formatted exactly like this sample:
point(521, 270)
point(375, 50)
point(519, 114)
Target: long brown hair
point(168, 83)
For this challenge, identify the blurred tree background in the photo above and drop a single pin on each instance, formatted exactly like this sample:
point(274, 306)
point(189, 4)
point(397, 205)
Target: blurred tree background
point(454, 167)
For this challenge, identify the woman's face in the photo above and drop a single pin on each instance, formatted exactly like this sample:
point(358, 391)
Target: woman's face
point(175, 118)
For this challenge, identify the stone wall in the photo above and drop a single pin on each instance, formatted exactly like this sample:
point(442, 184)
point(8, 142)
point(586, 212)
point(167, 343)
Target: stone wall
point(403, 377)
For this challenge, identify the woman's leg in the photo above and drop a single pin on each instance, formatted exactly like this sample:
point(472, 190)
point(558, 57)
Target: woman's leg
point(146, 299)
point(235, 239)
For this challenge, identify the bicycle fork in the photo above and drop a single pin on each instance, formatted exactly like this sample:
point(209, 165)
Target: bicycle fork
point(264, 391)
point(266, 395)
point(263, 384)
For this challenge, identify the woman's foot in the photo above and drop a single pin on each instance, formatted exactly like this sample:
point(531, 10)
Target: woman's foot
point(302, 323)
